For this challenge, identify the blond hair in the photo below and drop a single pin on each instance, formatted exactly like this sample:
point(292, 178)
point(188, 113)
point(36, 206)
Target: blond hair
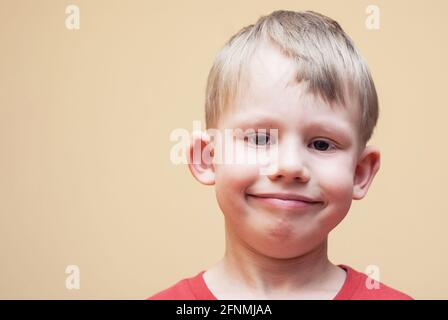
point(325, 56)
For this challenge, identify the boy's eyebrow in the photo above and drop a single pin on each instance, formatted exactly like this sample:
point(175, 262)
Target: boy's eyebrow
point(343, 135)
point(274, 121)
point(257, 120)
point(330, 127)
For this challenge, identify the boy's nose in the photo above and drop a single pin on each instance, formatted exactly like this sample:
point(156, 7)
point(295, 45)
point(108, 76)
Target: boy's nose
point(291, 164)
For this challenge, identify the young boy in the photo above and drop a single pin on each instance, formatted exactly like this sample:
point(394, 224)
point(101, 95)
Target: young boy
point(293, 83)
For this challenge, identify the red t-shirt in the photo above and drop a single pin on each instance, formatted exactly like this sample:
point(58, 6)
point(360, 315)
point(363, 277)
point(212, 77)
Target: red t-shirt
point(354, 288)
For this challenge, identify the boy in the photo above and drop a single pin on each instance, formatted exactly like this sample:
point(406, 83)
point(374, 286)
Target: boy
point(293, 83)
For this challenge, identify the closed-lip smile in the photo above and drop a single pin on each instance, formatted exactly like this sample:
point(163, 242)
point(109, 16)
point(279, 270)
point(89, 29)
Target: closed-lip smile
point(285, 196)
point(284, 200)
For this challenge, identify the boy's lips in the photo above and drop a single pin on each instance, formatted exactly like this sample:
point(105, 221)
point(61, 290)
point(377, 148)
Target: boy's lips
point(284, 200)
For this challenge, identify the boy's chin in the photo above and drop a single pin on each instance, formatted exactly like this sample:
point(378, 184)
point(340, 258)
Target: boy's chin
point(281, 252)
point(284, 255)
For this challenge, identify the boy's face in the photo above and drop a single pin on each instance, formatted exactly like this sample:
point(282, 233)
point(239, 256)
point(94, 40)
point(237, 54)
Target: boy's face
point(319, 157)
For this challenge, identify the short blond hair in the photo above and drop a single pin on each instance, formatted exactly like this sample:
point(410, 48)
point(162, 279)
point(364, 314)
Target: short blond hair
point(325, 56)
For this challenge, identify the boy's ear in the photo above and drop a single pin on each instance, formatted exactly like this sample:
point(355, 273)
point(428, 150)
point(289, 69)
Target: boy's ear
point(366, 169)
point(200, 158)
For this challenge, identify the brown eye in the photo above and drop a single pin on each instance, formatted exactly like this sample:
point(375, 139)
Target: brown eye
point(321, 145)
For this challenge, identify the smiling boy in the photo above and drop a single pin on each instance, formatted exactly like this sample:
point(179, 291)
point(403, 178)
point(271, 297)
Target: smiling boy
point(298, 73)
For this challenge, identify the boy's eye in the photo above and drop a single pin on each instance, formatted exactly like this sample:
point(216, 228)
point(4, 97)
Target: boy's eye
point(259, 139)
point(321, 145)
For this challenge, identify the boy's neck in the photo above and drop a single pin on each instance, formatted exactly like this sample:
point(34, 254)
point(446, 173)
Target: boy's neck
point(255, 275)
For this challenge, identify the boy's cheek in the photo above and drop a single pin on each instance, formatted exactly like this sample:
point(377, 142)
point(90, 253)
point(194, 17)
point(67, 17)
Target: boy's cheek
point(240, 156)
point(333, 171)
point(236, 174)
point(335, 180)
point(236, 178)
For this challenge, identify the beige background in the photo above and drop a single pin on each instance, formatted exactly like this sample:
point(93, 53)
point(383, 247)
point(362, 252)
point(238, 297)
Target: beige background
point(85, 118)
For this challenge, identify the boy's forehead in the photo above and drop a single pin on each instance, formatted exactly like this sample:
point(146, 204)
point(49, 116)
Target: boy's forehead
point(293, 104)
point(271, 91)
point(295, 108)
point(272, 77)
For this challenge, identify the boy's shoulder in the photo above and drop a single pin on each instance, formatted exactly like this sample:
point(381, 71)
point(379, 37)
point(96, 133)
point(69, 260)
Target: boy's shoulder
point(192, 288)
point(357, 286)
